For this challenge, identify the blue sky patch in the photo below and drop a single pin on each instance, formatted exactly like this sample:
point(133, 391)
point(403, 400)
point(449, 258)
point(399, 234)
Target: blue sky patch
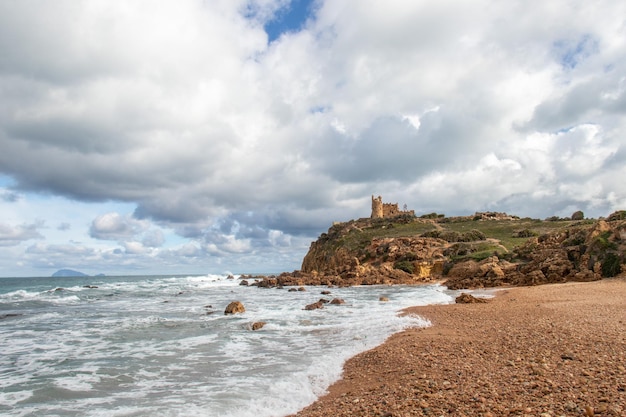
point(572, 52)
point(290, 18)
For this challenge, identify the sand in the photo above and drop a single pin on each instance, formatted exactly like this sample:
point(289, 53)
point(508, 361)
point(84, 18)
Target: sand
point(551, 350)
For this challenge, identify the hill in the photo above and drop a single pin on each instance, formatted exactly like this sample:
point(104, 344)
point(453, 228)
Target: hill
point(484, 250)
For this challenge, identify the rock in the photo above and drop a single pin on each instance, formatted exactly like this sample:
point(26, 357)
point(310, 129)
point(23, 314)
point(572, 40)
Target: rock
point(302, 289)
point(90, 286)
point(258, 325)
point(244, 282)
point(292, 290)
point(337, 301)
point(8, 315)
point(314, 306)
point(383, 299)
point(325, 292)
point(465, 298)
point(235, 307)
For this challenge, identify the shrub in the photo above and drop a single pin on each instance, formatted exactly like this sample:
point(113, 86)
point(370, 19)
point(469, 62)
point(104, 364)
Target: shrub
point(525, 233)
point(473, 235)
point(611, 265)
point(578, 215)
point(405, 266)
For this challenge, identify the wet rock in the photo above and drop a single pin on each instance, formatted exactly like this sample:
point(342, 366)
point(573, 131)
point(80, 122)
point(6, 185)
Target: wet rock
point(244, 282)
point(383, 299)
point(258, 325)
point(314, 306)
point(234, 308)
point(465, 298)
point(337, 301)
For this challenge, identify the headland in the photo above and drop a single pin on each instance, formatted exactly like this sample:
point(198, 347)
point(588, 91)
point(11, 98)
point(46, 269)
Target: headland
point(533, 350)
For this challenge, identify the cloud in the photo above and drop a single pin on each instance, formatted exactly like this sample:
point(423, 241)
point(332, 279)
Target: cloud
point(13, 235)
point(226, 145)
point(113, 226)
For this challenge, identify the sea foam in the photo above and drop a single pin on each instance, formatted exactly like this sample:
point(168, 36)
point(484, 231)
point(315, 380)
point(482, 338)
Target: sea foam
point(163, 346)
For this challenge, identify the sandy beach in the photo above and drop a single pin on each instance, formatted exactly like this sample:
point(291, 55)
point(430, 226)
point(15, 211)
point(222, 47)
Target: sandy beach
point(551, 350)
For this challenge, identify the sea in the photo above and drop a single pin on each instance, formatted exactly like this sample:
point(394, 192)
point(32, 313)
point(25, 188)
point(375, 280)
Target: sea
point(162, 345)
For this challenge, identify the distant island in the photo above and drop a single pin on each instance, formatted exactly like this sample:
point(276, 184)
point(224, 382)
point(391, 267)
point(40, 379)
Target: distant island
point(69, 273)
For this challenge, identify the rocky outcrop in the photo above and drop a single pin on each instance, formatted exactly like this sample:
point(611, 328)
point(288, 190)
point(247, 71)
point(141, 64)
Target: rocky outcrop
point(459, 252)
point(573, 254)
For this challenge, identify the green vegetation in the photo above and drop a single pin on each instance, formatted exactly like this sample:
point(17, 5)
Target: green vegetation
point(611, 265)
point(508, 233)
point(405, 266)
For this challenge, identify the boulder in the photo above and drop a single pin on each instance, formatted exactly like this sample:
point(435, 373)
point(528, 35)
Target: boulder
point(383, 299)
point(235, 307)
point(258, 325)
point(465, 298)
point(244, 282)
point(337, 301)
point(314, 306)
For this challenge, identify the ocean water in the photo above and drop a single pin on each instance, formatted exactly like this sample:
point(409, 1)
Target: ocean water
point(162, 346)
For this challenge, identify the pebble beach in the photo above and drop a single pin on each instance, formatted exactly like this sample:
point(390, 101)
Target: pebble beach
point(550, 350)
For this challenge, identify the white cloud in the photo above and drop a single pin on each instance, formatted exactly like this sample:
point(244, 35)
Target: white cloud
point(182, 114)
point(12, 235)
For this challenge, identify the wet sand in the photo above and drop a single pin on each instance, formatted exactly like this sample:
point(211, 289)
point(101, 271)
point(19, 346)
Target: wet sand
point(551, 350)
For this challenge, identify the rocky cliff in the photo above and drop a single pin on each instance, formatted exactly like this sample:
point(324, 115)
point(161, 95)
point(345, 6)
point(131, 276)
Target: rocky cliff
point(465, 252)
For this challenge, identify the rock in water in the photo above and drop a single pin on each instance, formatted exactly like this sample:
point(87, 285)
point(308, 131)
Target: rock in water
point(337, 301)
point(315, 306)
point(235, 307)
point(258, 325)
point(465, 298)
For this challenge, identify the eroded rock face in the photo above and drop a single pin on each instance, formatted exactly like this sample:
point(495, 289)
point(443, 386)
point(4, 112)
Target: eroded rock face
point(234, 308)
point(347, 256)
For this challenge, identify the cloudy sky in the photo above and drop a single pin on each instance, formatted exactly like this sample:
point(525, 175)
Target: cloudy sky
point(208, 136)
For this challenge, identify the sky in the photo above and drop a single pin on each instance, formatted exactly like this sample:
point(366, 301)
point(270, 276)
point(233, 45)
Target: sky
point(216, 136)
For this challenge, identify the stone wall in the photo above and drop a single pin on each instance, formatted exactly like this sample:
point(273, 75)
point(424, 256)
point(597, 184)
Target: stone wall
point(385, 210)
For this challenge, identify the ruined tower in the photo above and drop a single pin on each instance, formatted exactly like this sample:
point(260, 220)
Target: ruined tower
point(381, 210)
point(377, 207)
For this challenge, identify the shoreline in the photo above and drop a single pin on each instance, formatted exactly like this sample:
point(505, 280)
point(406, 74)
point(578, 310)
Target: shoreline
point(549, 350)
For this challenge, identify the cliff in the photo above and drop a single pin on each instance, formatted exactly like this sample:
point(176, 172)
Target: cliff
point(474, 251)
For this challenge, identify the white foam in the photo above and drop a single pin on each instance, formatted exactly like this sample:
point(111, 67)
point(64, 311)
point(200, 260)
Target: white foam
point(151, 357)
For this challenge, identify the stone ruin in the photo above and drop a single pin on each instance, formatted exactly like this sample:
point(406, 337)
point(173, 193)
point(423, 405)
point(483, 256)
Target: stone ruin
point(382, 210)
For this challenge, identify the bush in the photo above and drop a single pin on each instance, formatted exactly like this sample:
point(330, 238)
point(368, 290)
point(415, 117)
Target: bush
point(405, 266)
point(611, 265)
point(473, 235)
point(525, 233)
point(578, 215)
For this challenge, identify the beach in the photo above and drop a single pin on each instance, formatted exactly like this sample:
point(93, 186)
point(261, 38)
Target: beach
point(550, 350)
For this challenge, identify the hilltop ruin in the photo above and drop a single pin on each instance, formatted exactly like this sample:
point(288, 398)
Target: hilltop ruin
point(382, 210)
